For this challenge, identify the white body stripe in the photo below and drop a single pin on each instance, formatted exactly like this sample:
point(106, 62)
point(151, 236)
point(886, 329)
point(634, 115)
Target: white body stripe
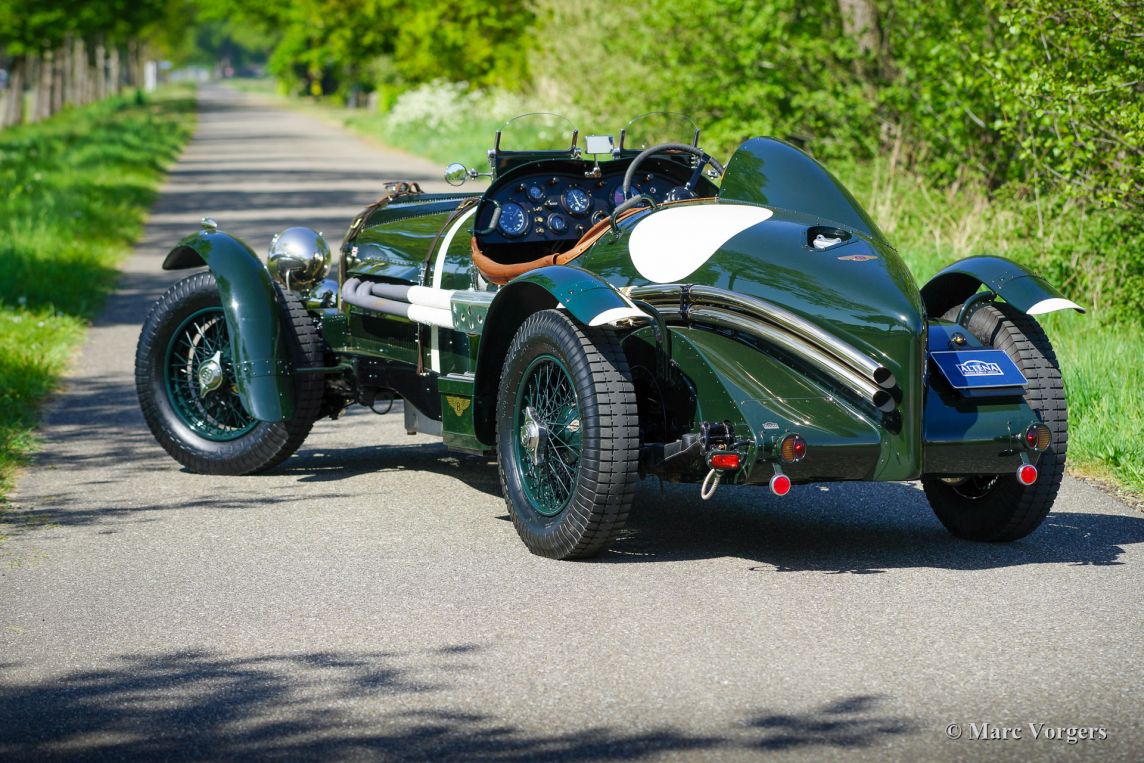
point(1053, 304)
point(617, 314)
point(438, 275)
point(439, 265)
point(669, 245)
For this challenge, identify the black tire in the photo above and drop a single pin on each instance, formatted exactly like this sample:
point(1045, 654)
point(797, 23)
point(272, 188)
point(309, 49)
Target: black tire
point(1000, 508)
point(207, 441)
point(603, 438)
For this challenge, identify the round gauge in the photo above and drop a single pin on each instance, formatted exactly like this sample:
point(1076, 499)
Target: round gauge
point(618, 195)
point(513, 220)
point(557, 223)
point(535, 194)
point(576, 201)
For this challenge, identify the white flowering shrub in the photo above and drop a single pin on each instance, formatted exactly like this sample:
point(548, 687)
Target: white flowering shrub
point(449, 121)
point(443, 105)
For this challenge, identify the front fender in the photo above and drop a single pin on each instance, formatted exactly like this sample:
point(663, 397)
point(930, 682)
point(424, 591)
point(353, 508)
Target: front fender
point(250, 304)
point(1026, 291)
point(590, 299)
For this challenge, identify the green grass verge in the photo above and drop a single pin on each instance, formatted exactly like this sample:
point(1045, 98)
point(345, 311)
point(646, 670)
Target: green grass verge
point(74, 192)
point(1083, 251)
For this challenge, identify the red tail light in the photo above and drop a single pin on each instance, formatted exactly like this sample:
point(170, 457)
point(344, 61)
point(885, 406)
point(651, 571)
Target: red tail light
point(780, 484)
point(1037, 437)
point(1027, 474)
point(725, 461)
point(792, 448)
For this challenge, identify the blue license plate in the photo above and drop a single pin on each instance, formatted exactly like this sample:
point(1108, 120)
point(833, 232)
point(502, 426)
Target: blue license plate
point(980, 371)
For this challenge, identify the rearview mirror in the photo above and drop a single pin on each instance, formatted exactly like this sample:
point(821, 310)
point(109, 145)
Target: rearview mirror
point(456, 174)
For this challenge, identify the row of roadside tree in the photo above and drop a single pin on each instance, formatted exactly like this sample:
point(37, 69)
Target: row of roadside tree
point(58, 53)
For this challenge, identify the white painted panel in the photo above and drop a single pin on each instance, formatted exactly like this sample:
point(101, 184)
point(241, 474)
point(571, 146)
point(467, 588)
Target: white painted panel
point(1053, 304)
point(617, 314)
point(670, 245)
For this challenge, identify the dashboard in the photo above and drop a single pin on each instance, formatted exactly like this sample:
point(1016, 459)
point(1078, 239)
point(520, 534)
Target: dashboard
point(553, 204)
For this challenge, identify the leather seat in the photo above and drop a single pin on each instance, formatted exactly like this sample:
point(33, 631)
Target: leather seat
point(500, 273)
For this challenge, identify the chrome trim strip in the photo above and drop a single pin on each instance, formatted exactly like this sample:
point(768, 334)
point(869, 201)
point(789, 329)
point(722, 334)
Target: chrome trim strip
point(862, 387)
point(772, 313)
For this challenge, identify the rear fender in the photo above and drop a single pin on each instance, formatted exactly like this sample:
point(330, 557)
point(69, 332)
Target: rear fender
point(250, 304)
point(1025, 291)
point(589, 299)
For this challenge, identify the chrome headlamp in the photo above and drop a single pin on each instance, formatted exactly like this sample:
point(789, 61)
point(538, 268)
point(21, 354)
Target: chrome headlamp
point(298, 257)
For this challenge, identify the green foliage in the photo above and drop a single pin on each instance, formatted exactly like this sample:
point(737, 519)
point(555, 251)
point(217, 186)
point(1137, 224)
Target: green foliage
point(36, 25)
point(64, 229)
point(1046, 93)
point(344, 47)
point(1072, 75)
point(325, 44)
point(214, 41)
point(741, 68)
point(466, 40)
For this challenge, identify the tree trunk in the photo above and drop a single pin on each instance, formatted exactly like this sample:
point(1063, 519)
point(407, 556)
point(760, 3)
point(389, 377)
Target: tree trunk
point(47, 69)
point(69, 82)
point(58, 82)
point(80, 72)
point(14, 102)
point(860, 23)
point(135, 64)
point(62, 79)
point(100, 70)
point(113, 72)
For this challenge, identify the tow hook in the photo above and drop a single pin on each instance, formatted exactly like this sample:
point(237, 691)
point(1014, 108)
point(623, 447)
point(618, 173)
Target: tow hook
point(710, 484)
point(716, 438)
point(720, 462)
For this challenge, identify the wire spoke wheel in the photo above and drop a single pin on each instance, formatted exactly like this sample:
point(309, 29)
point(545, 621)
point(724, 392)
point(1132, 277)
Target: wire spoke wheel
point(567, 436)
point(548, 419)
point(199, 376)
point(186, 381)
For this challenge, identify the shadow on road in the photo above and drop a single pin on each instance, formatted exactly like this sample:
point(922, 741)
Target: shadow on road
point(857, 528)
point(322, 465)
point(195, 705)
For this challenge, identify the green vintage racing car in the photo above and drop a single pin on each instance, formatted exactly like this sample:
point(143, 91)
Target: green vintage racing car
point(606, 312)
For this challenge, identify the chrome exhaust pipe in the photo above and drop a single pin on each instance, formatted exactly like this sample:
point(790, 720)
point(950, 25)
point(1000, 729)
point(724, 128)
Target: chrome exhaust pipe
point(363, 294)
point(862, 387)
point(771, 313)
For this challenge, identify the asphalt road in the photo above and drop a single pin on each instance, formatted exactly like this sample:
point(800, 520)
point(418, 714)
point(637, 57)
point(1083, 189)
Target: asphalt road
point(369, 599)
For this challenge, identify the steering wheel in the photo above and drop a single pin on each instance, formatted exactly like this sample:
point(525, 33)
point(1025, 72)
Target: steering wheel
point(686, 191)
